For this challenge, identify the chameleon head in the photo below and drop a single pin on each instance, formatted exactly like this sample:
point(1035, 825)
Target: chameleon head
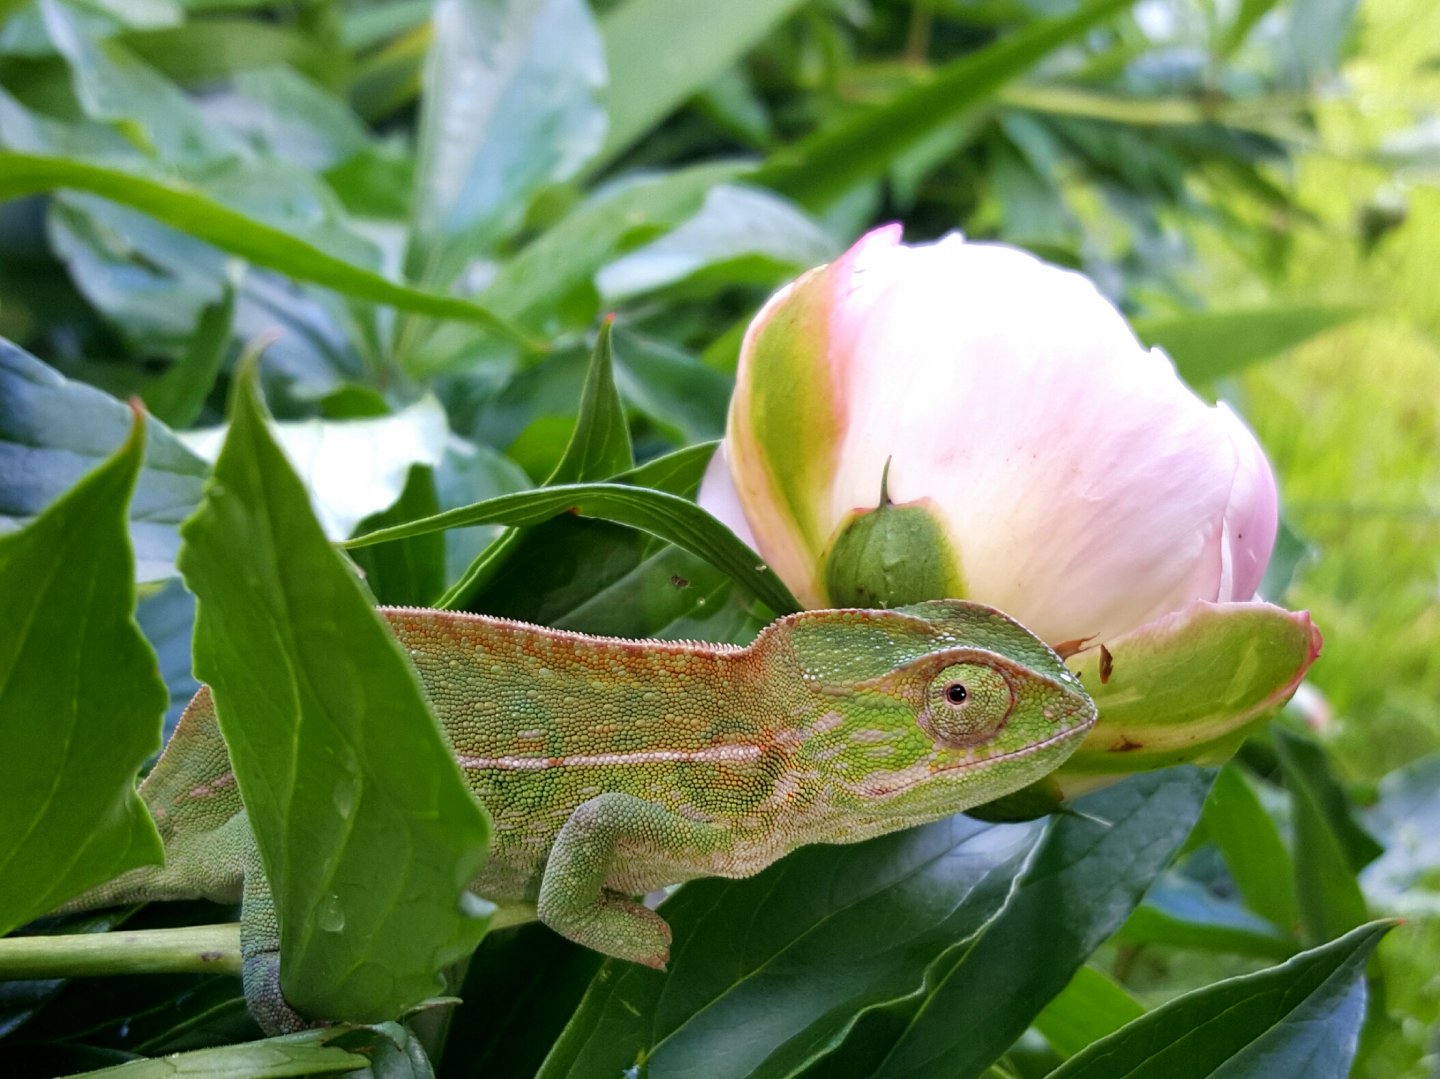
point(934, 708)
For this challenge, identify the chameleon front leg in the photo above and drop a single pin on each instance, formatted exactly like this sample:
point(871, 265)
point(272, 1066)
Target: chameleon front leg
point(599, 836)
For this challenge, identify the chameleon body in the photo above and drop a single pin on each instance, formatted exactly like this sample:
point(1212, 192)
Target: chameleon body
point(613, 767)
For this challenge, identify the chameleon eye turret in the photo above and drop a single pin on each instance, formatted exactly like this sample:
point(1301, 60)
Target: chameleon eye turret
point(966, 703)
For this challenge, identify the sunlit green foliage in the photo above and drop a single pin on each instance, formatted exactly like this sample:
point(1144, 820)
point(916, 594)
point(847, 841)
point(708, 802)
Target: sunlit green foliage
point(420, 215)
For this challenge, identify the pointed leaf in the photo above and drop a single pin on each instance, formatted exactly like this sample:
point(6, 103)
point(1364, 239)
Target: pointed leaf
point(178, 396)
point(1300, 1020)
point(599, 447)
point(1217, 343)
point(80, 697)
point(1250, 843)
point(368, 834)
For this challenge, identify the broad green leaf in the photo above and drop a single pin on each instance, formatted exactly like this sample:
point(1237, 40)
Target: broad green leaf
point(1300, 1020)
point(953, 919)
point(1254, 853)
point(700, 41)
point(1326, 889)
point(188, 209)
point(686, 399)
point(791, 955)
point(410, 572)
point(1183, 913)
point(508, 107)
point(669, 517)
point(1185, 687)
point(1216, 343)
point(114, 87)
point(1086, 1010)
point(366, 829)
point(1402, 879)
point(824, 167)
point(80, 699)
point(178, 396)
point(740, 234)
point(531, 287)
point(53, 430)
point(1095, 868)
point(520, 990)
point(352, 468)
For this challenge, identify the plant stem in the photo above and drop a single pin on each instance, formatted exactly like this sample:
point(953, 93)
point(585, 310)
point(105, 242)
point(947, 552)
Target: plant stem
point(200, 949)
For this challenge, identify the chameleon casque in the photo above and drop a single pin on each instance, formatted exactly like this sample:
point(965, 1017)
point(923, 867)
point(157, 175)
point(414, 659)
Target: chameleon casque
point(613, 767)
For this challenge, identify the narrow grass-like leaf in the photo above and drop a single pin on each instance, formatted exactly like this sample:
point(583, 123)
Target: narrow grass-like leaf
point(1089, 1008)
point(1216, 343)
point(1181, 912)
point(367, 832)
point(190, 210)
point(409, 572)
point(823, 168)
point(178, 396)
point(80, 697)
point(1300, 1020)
point(1252, 848)
point(1326, 888)
point(670, 517)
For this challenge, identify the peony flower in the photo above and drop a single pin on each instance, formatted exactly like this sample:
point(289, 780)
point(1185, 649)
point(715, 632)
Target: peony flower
point(962, 419)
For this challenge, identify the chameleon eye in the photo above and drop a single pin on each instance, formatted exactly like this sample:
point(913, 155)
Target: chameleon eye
point(967, 703)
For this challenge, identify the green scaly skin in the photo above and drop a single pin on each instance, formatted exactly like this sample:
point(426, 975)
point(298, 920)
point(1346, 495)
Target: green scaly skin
point(613, 767)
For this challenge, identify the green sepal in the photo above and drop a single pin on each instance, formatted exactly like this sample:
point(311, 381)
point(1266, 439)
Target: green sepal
point(892, 556)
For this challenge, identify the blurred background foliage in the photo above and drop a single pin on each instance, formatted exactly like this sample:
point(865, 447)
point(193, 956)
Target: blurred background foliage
point(406, 202)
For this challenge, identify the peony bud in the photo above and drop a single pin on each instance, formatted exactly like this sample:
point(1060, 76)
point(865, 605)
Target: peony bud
point(961, 419)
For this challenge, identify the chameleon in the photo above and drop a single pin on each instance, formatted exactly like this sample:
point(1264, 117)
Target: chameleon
point(614, 767)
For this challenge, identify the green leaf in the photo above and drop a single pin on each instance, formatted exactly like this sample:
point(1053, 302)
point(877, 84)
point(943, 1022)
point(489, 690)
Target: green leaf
point(822, 952)
point(178, 396)
point(52, 430)
point(860, 146)
point(1095, 867)
point(363, 820)
point(669, 517)
point(508, 107)
point(188, 209)
point(80, 697)
point(683, 397)
point(1086, 1010)
point(1250, 843)
point(1326, 888)
point(1183, 913)
point(599, 447)
point(1300, 1020)
point(411, 572)
point(1217, 343)
point(700, 41)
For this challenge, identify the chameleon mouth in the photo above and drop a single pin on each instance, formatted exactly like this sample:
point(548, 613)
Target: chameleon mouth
point(919, 773)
